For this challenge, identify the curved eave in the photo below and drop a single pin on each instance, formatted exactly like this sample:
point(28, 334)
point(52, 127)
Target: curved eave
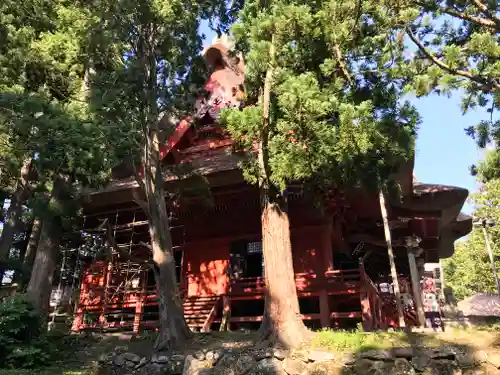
point(448, 200)
point(458, 228)
point(433, 197)
point(218, 170)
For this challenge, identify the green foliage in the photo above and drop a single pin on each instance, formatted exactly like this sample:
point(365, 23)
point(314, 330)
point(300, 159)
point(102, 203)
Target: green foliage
point(21, 341)
point(134, 82)
point(24, 343)
point(60, 136)
point(147, 70)
point(124, 94)
point(44, 117)
point(457, 48)
point(42, 94)
point(488, 168)
point(336, 114)
point(469, 271)
point(43, 47)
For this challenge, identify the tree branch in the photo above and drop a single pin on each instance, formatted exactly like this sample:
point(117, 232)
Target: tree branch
point(487, 85)
point(492, 22)
point(483, 8)
point(342, 64)
point(467, 17)
point(142, 204)
point(138, 178)
point(146, 245)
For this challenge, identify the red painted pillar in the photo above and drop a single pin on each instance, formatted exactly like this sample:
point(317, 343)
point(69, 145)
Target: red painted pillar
point(378, 318)
point(365, 300)
point(106, 280)
point(79, 307)
point(327, 246)
point(226, 314)
point(324, 309)
point(139, 304)
point(326, 249)
point(366, 312)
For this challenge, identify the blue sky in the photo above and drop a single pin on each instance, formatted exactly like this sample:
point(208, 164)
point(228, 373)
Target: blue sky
point(444, 151)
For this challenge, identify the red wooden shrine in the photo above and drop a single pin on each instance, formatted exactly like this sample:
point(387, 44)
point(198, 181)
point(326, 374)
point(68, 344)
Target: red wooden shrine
point(339, 248)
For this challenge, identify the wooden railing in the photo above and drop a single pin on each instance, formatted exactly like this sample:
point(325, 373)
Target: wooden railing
point(369, 284)
point(211, 316)
point(304, 281)
point(244, 285)
point(343, 276)
point(376, 302)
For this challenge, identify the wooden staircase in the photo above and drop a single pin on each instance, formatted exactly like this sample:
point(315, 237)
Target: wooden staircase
point(200, 312)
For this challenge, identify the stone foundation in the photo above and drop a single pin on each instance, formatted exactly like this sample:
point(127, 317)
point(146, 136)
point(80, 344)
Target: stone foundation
point(445, 360)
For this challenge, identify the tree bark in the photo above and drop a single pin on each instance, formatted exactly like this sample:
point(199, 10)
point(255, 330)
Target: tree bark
point(36, 230)
point(29, 255)
point(282, 323)
point(390, 253)
point(173, 327)
point(40, 284)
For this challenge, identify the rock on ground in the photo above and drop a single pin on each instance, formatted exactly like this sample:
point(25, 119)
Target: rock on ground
point(294, 366)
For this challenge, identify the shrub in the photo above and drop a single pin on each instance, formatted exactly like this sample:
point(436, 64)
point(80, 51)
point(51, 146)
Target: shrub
point(22, 341)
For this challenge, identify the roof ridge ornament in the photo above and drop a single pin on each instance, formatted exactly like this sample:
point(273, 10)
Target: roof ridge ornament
point(221, 51)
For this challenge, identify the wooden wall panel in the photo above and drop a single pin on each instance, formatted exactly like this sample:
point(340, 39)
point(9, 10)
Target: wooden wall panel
point(307, 249)
point(205, 264)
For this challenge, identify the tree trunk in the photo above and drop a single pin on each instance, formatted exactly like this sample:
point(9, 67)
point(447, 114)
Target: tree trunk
point(390, 253)
point(173, 327)
point(29, 255)
point(20, 272)
point(282, 323)
point(40, 284)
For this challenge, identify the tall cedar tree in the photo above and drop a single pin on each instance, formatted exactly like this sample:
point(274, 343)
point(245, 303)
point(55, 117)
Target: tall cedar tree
point(44, 126)
point(18, 31)
point(146, 58)
point(323, 107)
point(469, 271)
point(456, 47)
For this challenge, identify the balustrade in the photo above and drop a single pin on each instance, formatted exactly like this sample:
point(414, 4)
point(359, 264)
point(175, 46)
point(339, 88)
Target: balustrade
point(304, 281)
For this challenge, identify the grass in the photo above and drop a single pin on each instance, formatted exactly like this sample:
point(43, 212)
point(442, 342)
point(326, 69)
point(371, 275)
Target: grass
point(356, 341)
point(43, 371)
point(478, 338)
